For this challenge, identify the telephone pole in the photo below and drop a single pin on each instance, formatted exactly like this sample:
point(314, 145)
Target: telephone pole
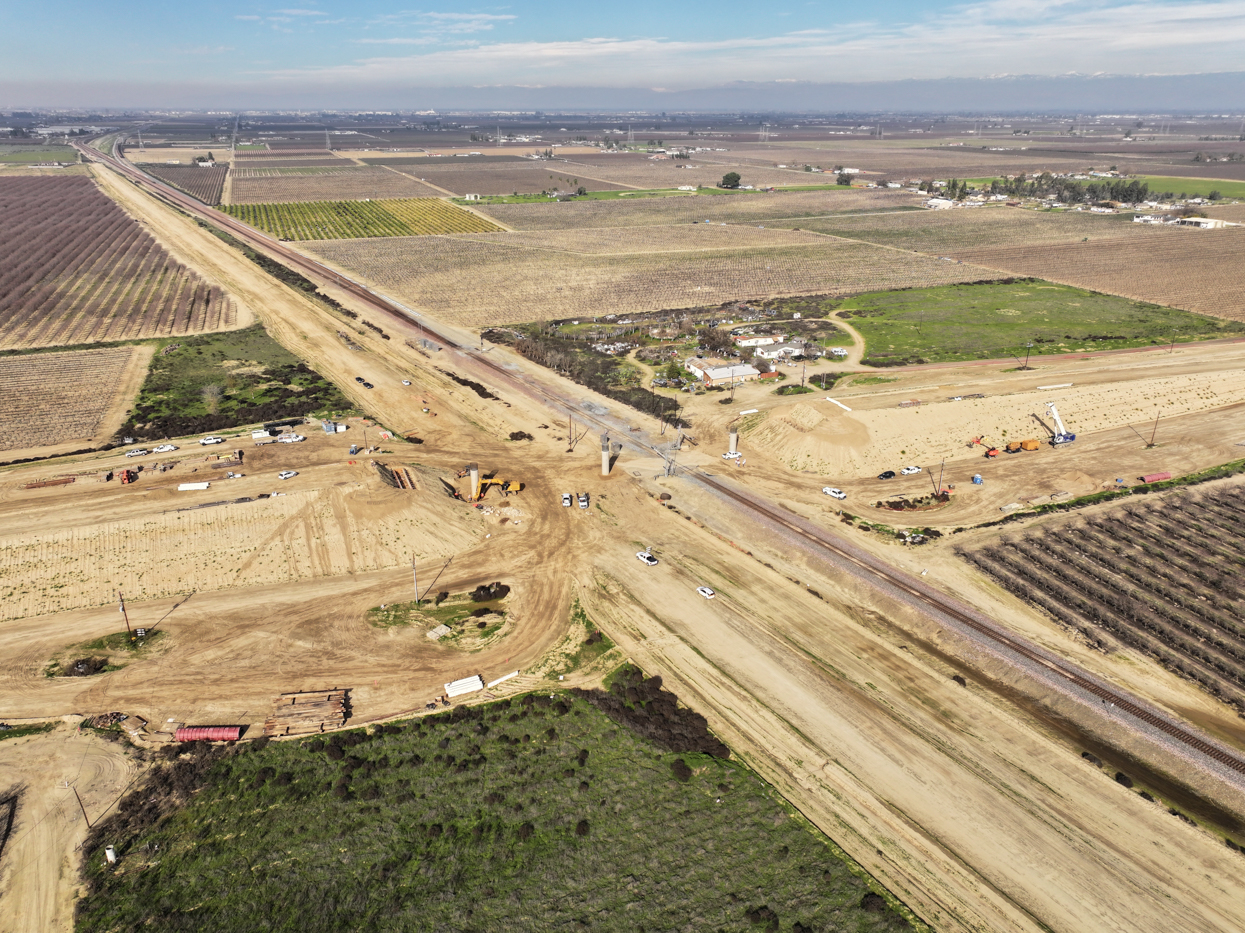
point(415, 579)
point(126, 615)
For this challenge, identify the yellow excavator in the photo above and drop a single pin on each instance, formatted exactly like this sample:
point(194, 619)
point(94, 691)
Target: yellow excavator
point(507, 487)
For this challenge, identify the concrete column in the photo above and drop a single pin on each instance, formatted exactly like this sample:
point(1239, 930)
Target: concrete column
point(605, 455)
point(734, 440)
point(475, 481)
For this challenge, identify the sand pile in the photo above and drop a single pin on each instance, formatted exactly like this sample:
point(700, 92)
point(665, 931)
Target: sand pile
point(804, 438)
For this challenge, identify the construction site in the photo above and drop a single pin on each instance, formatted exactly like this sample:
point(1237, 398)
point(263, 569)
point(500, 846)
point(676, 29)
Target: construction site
point(991, 765)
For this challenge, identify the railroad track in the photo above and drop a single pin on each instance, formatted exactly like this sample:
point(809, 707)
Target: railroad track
point(877, 575)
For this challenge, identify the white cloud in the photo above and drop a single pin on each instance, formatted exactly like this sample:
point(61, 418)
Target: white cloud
point(301, 12)
point(249, 19)
point(984, 37)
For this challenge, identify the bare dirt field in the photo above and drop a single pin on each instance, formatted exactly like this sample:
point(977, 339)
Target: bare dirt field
point(944, 232)
point(1196, 273)
point(39, 871)
point(605, 241)
point(506, 178)
point(64, 400)
point(741, 208)
point(479, 284)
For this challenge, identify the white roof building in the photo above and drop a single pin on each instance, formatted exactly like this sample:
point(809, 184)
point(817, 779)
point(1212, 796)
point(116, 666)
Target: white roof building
point(779, 350)
point(715, 372)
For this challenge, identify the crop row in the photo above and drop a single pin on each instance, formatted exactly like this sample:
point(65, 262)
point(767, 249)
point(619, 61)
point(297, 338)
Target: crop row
point(352, 184)
point(330, 220)
point(80, 270)
point(748, 207)
point(206, 184)
point(48, 398)
point(490, 283)
point(1164, 581)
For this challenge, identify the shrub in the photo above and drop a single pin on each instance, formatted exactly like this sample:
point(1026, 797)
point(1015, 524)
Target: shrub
point(526, 832)
point(581, 828)
point(763, 916)
point(874, 903)
point(1122, 778)
point(681, 770)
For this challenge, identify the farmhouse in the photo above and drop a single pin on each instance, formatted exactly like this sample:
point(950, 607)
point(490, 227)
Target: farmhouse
point(1205, 223)
point(779, 351)
point(758, 340)
point(718, 372)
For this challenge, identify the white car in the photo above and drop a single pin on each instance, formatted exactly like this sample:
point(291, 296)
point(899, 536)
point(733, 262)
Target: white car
point(287, 474)
point(211, 440)
point(706, 592)
point(834, 493)
point(645, 557)
point(583, 500)
point(566, 499)
point(406, 382)
point(290, 438)
point(164, 449)
point(908, 471)
point(140, 452)
point(735, 456)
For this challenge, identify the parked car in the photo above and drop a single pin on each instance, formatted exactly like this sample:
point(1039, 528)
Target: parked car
point(406, 382)
point(287, 474)
point(645, 557)
point(139, 452)
point(706, 592)
point(368, 385)
point(205, 441)
point(889, 474)
point(290, 438)
point(358, 379)
point(909, 470)
point(164, 449)
point(566, 499)
point(729, 456)
point(583, 500)
point(834, 493)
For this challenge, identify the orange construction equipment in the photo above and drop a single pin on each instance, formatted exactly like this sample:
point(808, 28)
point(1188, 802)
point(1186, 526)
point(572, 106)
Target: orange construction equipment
point(992, 452)
point(1030, 444)
point(127, 476)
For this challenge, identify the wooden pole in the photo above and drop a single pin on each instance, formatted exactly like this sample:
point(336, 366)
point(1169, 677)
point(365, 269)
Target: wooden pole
point(415, 576)
point(1156, 429)
point(82, 808)
point(126, 615)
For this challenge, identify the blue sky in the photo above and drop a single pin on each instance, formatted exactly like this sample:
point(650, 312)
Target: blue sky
point(271, 50)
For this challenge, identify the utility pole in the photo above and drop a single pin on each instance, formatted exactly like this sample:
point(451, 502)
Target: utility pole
point(940, 472)
point(121, 600)
point(82, 808)
point(1155, 432)
point(415, 576)
point(1028, 347)
point(803, 370)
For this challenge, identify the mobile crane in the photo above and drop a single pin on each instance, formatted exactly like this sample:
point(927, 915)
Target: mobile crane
point(1063, 436)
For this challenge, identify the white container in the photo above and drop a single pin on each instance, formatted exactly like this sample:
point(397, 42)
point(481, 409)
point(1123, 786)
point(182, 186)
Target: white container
point(188, 487)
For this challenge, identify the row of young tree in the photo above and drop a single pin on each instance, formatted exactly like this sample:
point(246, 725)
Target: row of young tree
point(1071, 191)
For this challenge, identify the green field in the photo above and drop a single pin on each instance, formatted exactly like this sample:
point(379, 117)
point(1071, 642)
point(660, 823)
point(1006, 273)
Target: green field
point(971, 322)
point(217, 381)
point(1193, 187)
point(524, 815)
point(26, 154)
point(341, 220)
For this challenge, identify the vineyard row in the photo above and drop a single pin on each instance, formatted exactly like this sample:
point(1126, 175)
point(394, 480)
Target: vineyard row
point(329, 220)
point(1163, 580)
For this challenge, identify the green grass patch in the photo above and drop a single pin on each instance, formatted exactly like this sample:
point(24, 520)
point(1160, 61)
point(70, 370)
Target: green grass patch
point(873, 380)
point(531, 814)
point(794, 390)
point(218, 381)
point(123, 641)
point(587, 651)
point(1193, 187)
point(17, 732)
point(992, 320)
point(335, 220)
point(453, 611)
point(28, 154)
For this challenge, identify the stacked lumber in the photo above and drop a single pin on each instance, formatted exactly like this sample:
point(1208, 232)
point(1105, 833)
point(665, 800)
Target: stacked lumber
point(307, 712)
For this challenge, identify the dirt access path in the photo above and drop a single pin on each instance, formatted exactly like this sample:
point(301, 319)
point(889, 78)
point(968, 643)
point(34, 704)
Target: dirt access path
point(39, 871)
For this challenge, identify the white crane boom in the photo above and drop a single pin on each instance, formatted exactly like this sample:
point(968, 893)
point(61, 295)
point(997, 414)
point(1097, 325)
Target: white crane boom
point(1063, 437)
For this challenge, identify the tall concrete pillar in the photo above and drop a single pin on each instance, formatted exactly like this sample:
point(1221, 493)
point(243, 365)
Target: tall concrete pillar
point(734, 440)
point(605, 455)
point(475, 481)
